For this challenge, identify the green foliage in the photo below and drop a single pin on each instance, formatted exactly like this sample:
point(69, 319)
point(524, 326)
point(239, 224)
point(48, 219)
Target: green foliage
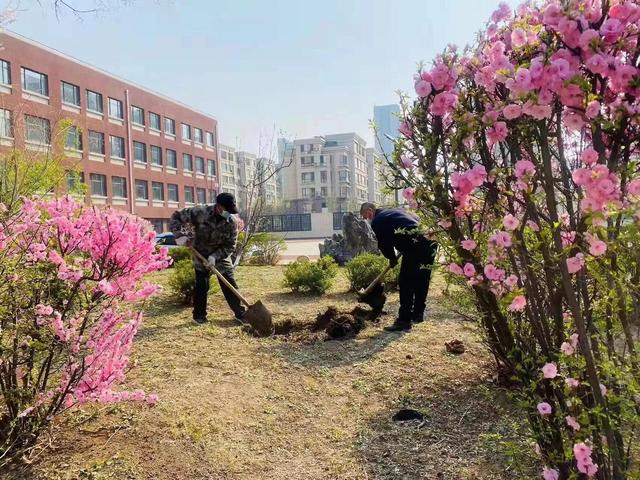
point(364, 268)
point(265, 248)
point(179, 253)
point(183, 280)
point(311, 277)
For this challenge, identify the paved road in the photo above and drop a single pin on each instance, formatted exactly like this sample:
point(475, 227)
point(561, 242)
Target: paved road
point(297, 248)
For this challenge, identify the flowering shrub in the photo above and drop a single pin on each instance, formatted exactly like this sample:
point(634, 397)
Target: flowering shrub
point(69, 277)
point(521, 153)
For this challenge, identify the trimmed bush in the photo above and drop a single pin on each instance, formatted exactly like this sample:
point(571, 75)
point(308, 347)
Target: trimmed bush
point(179, 253)
point(311, 277)
point(183, 280)
point(364, 268)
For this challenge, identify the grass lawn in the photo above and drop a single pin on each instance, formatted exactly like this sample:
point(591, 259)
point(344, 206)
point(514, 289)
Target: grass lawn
point(237, 407)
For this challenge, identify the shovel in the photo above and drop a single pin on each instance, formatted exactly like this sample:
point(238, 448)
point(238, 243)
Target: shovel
point(257, 315)
point(372, 296)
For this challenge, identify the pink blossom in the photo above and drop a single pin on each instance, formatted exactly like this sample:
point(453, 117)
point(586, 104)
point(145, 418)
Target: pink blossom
point(502, 239)
point(588, 38)
point(544, 408)
point(517, 304)
point(423, 88)
point(512, 111)
point(502, 13)
point(44, 310)
point(597, 247)
point(533, 226)
point(468, 244)
point(575, 264)
point(573, 339)
point(572, 422)
point(510, 222)
point(152, 399)
point(497, 133)
point(518, 38)
point(567, 348)
point(407, 162)
point(589, 156)
point(443, 103)
point(469, 270)
point(493, 273)
point(593, 109)
point(611, 29)
point(550, 370)
point(511, 281)
point(633, 187)
point(444, 223)
point(456, 269)
point(524, 168)
point(572, 382)
point(550, 473)
point(405, 129)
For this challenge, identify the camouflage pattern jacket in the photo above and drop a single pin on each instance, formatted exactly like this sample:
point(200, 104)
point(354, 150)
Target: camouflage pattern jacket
point(211, 234)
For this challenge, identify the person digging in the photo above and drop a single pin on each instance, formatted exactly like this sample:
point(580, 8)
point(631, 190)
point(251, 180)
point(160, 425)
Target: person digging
point(215, 234)
point(397, 229)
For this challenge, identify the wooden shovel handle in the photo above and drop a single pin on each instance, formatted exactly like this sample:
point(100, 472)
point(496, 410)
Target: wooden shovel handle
point(213, 269)
point(376, 280)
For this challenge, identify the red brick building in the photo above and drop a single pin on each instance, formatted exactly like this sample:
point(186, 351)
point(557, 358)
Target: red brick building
point(136, 149)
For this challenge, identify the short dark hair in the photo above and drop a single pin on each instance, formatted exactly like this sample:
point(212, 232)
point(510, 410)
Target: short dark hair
point(367, 206)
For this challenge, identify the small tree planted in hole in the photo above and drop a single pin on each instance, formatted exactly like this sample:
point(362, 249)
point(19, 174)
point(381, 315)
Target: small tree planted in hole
point(364, 268)
point(311, 277)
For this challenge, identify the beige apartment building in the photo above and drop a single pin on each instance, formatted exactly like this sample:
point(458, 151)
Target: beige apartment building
point(376, 178)
point(327, 172)
point(228, 176)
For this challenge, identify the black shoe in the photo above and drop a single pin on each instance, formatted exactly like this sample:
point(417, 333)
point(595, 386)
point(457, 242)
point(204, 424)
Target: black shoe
point(418, 318)
point(200, 321)
point(398, 327)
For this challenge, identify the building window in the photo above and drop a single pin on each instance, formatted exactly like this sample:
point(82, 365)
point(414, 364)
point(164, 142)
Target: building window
point(187, 162)
point(212, 195)
point(172, 161)
point(119, 187)
point(140, 152)
point(157, 224)
point(169, 126)
point(344, 160)
point(94, 101)
point(188, 194)
point(323, 176)
point(142, 190)
point(115, 109)
point(202, 195)
point(98, 185)
point(324, 191)
point(186, 131)
point(35, 82)
point(344, 192)
point(5, 72)
point(301, 148)
point(157, 189)
point(211, 168)
point(6, 123)
point(70, 94)
point(96, 142)
point(154, 121)
point(137, 115)
point(156, 155)
point(210, 140)
point(197, 135)
point(117, 146)
point(74, 180)
point(343, 175)
point(223, 154)
point(200, 165)
point(37, 130)
point(308, 177)
point(172, 191)
point(74, 138)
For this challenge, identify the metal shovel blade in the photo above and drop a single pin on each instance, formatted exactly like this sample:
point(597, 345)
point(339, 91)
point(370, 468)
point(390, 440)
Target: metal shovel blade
point(376, 298)
point(260, 319)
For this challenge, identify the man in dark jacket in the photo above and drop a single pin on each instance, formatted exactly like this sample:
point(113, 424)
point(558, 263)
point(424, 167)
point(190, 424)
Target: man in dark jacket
point(396, 229)
point(213, 232)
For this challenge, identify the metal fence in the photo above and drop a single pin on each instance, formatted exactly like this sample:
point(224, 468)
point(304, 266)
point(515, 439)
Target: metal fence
point(292, 222)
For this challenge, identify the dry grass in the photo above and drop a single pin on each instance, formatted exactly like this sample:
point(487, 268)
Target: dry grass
point(236, 407)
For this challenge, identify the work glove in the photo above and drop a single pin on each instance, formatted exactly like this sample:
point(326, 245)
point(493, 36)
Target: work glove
point(183, 241)
point(212, 260)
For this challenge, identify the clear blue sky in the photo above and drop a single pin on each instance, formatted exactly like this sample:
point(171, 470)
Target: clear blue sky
point(307, 68)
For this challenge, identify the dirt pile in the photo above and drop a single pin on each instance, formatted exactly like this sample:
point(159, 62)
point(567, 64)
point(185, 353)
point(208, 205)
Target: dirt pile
point(338, 324)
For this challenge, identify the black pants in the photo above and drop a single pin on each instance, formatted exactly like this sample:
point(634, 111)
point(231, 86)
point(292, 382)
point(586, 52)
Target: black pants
point(202, 289)
point(415, 275)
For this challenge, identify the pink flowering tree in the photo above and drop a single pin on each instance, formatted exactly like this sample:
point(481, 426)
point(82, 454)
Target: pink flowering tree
point(521, 153)
point(70, 277)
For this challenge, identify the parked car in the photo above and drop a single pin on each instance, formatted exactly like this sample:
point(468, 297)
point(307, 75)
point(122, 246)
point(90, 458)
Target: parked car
point(166, 239)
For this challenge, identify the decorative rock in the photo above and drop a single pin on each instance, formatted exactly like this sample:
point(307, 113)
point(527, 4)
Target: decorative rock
point(357, 238)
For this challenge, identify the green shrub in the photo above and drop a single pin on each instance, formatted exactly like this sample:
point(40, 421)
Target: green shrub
point(183, 281)
point(179, 253)
point(265, 248)
point(364, 268)
point(311, 277)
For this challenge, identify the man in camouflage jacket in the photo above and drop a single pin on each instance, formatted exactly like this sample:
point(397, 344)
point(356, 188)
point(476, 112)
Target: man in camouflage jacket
point(213, 232)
